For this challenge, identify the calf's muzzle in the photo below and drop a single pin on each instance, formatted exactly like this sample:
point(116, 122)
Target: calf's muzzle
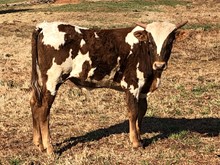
point(157, 65)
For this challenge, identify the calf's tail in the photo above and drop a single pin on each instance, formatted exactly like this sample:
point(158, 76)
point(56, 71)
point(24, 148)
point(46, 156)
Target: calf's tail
point(37, 89)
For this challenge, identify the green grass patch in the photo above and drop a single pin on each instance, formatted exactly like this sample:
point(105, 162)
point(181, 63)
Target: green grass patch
point(100, 6)
point(199, 90)
point(204, 27)
point(11, 1)
point(172, 3)
point(109, 6)
point(15, 161)
point(180, 135)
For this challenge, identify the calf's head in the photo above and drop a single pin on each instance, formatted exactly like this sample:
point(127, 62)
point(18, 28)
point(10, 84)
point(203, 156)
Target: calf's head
point(163, 35)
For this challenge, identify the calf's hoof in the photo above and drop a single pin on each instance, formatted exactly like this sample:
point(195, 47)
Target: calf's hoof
point(50, 149)
point(137, 144)
point(39, 146)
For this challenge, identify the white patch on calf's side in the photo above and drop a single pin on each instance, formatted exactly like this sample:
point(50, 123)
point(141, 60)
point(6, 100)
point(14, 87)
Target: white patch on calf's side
point(51, 34)
point(77, 63)
point(131, 39)
point(53, 78)
point(55, 72)
point(160, 31)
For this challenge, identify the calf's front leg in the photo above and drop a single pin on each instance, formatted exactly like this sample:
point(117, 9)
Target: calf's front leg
point(132, 104)
point(142, 108)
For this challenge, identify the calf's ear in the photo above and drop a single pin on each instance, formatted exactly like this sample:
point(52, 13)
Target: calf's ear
point(141, 35)
point(181, 35)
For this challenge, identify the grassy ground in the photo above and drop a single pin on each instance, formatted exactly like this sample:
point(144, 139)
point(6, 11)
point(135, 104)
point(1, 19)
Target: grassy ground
point(183, 120)
point(11, 1)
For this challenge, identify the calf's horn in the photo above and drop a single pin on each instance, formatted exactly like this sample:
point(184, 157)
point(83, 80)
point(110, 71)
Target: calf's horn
point(141, 25)
point(179, 25)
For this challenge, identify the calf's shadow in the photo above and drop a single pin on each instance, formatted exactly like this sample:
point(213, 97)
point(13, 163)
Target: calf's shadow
point(8, 11)
point(166, 126)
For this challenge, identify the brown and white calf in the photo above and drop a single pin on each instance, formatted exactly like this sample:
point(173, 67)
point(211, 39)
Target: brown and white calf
point(128, 59)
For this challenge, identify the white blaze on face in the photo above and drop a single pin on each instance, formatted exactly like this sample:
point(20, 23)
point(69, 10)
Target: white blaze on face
point(160, 31)
point(131, 39)
point(55, 72)
point(51, 34)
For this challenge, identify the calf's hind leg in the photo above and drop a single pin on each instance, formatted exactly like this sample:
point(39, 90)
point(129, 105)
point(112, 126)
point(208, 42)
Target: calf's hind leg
point(37, 139)
point(44, 118)
point(40, 113)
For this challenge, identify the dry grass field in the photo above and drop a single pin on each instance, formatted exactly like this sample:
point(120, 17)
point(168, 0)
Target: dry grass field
point(182, 124)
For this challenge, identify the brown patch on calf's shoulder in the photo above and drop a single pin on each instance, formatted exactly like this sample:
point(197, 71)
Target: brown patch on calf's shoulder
point(69, 30)
point(145, 55)
point(72, 39)
point(142, 56)
point(130, 75)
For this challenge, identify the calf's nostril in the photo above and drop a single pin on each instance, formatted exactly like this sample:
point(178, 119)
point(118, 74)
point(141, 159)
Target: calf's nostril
point(159, 65)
